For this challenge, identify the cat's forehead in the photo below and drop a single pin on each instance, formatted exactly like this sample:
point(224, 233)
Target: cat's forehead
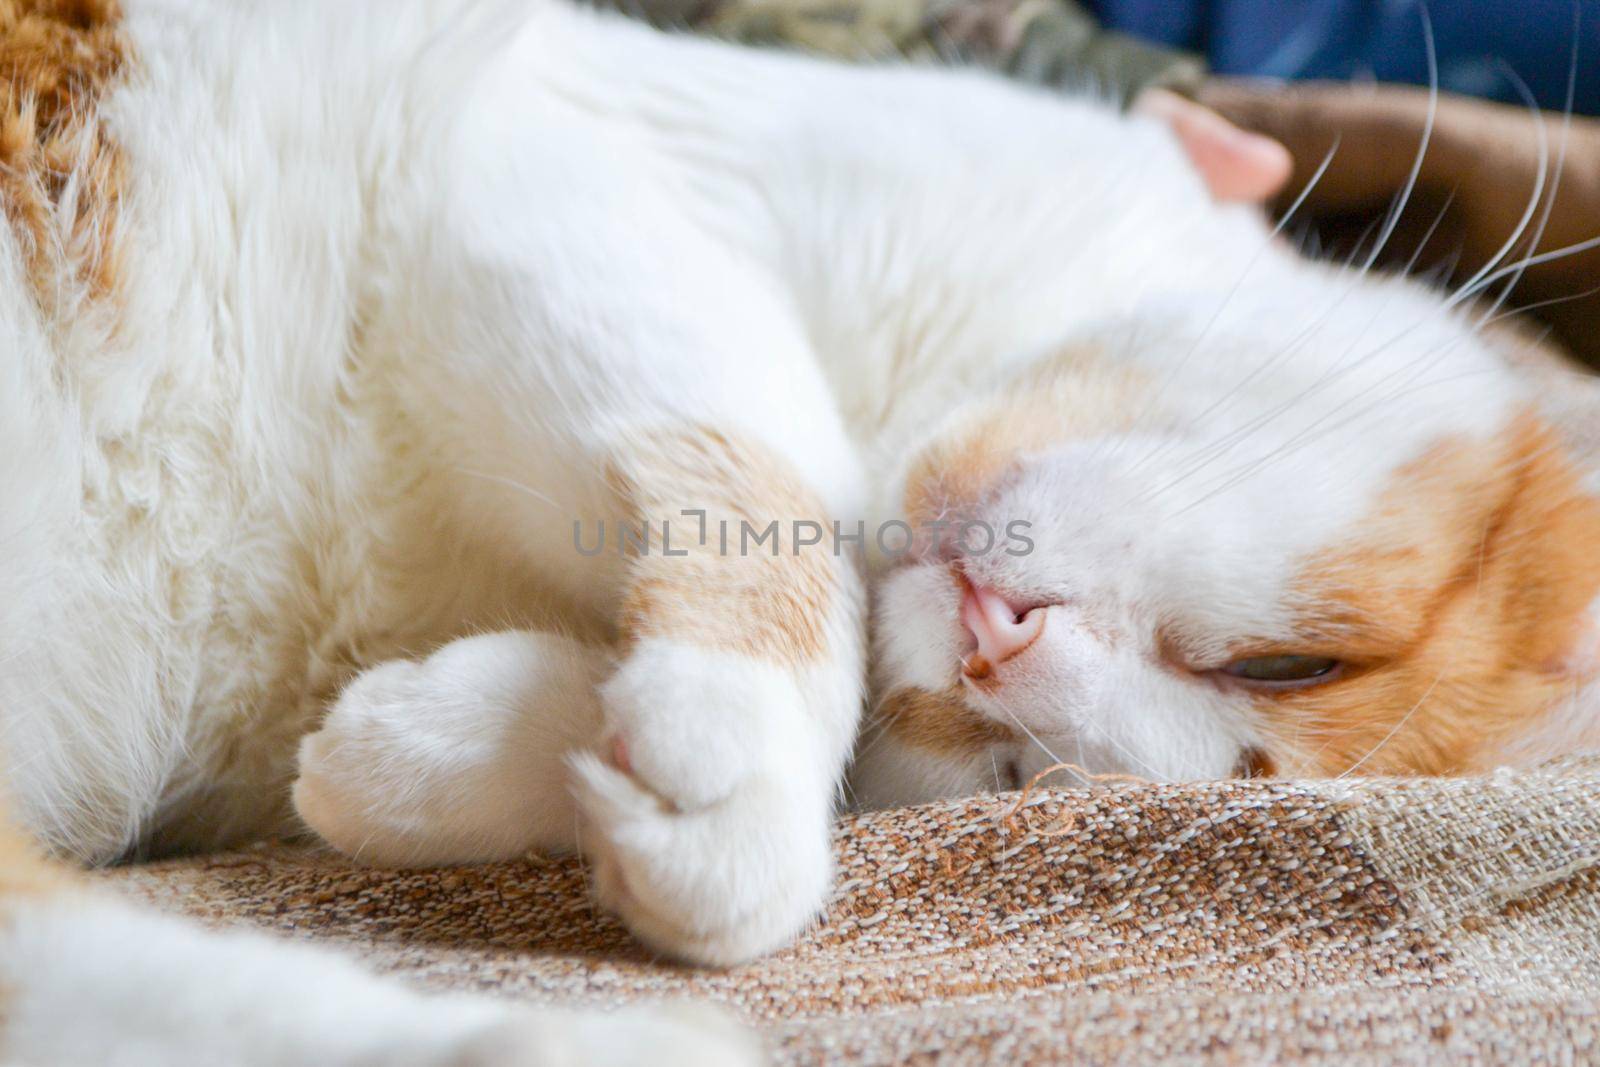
point(1213, 511)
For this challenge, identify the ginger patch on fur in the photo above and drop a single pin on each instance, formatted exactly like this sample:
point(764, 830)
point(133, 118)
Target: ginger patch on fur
point(23, 870)
point(1455, 608)
point(941, 723)
point(61, 174)
point(1078, 395)
point(733, 589)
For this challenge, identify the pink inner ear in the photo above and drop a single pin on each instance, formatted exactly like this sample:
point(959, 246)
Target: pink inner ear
point(1237, 165)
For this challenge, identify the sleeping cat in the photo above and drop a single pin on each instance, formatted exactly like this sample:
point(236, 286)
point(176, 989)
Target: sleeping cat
point(338, 342)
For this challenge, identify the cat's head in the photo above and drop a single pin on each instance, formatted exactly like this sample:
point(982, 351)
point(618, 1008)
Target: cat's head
point(1305, 534)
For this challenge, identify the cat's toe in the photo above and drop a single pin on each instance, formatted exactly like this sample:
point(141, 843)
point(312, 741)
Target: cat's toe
point(694, 724)
point(337, 793)
point(717, 885)
point(457, 759)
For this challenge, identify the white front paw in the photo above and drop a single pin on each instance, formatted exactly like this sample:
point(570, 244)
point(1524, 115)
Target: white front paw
point(456, 759)
point(719, 885)
point(344, 791)
point(697, 723)
point(710, 835)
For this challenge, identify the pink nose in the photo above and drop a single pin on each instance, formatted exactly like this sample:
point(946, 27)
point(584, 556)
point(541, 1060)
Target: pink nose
point(1001, 630)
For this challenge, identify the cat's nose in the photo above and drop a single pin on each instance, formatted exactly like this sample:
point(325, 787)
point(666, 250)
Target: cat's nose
point(1001, 629)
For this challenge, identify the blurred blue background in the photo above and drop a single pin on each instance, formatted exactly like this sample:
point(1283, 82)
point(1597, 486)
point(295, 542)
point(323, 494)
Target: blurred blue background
point(1476, 41)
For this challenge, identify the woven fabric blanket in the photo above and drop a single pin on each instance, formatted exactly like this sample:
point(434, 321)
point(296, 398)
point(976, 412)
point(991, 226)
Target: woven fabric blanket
point(1252, 922)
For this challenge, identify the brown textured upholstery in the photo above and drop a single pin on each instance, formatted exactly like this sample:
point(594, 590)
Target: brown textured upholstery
point(1255, 922)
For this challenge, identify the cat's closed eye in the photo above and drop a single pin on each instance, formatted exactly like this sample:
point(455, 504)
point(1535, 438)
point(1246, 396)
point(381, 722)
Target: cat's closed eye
point(1283, 671)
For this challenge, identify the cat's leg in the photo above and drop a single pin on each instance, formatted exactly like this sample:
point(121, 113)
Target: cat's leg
point(458, 758)
point(88, 978)
point(716, 742)
point(708, 808)
point(583, 343)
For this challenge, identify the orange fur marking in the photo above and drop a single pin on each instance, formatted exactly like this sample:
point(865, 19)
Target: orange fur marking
point(61, 177)
point(24, 875)
point(939, 722)
point(23, 872)
point(23, 869)
point(1464, 592)
point(1077, 395)
point(773, 601)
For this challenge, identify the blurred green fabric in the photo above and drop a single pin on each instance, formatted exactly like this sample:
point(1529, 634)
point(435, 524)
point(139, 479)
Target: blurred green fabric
point(1045, 42)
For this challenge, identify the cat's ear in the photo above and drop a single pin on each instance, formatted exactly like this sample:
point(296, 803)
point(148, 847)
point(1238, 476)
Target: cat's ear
point(1237, 165)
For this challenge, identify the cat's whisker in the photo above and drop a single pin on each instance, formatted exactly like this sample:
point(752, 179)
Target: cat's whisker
point(1306, 334)
point(1310, 435)
point(1208, 455)
point(1151, 772)
point(1395, 729)
point(1152, 405)
point(1222, 402)
point(1537, 196)
point(509, 483)
point(1024, 728)
point(1487, 273)
point(1393, 219)
point(1574, 249)
point(1521, 310)
point(1299, 201)
point(1202, 457)
point(1427, 235)
point(1231, 477)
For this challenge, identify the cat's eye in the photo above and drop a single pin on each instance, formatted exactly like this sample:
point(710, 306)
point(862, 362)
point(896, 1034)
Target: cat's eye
point(1283, 672)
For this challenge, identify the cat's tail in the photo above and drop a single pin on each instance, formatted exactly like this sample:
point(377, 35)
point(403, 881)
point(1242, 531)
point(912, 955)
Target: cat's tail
point(87, 978)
